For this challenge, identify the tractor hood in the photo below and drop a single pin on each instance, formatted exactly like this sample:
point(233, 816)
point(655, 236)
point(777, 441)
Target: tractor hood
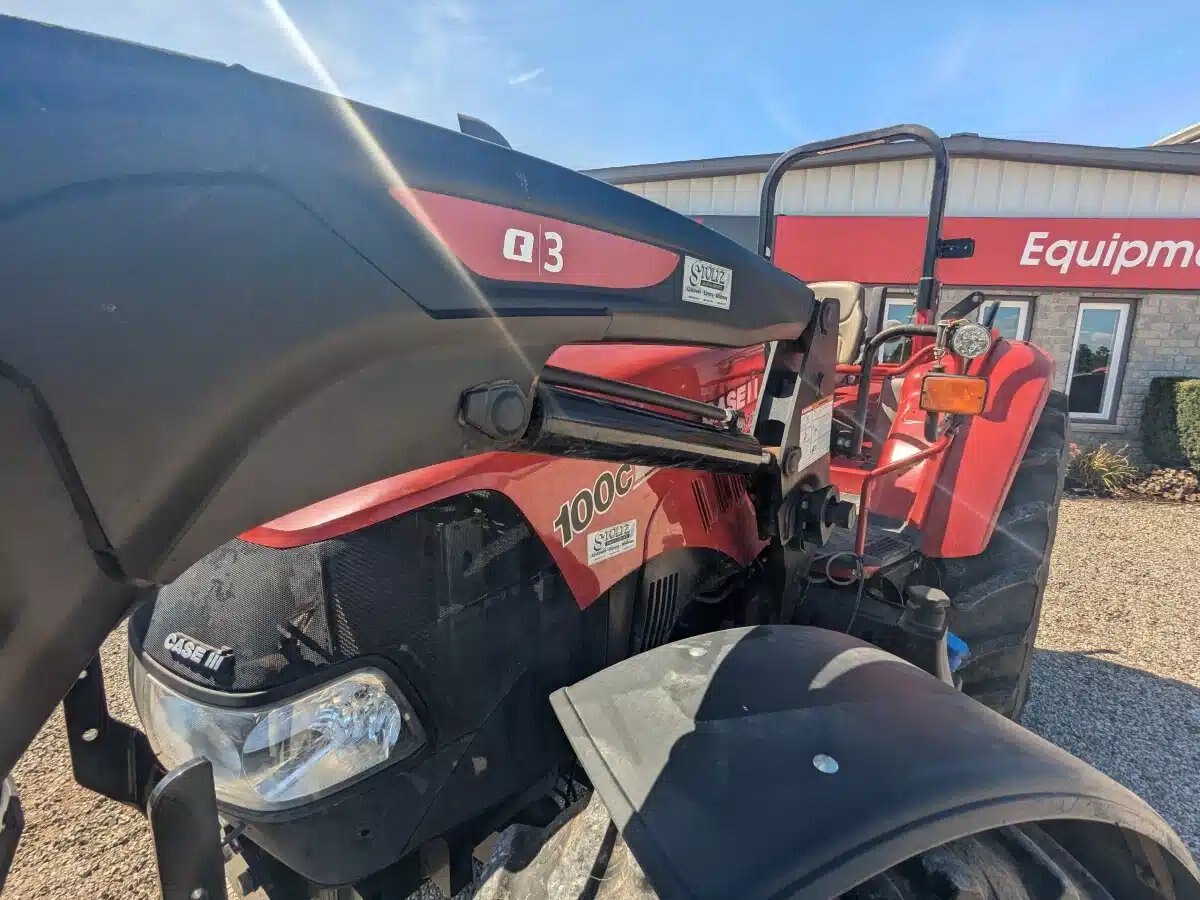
point(788, 761)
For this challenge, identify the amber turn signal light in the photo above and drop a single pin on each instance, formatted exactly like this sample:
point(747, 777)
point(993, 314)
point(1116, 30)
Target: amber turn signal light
point(962, 395)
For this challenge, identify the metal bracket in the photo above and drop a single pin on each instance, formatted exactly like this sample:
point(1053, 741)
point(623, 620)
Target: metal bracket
point(956, 248)
point(187, 838)
point(107, 756)
point(115, 760)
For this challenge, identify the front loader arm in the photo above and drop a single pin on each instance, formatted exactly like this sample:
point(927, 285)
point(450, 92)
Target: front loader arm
point(218, 309)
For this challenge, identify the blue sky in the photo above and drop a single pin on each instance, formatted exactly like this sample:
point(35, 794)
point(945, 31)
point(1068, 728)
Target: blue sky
point(620, 81)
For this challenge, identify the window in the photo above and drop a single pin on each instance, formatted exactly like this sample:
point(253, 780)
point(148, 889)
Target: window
point(900, 308)
point(1012, 318)
point(1097, 358)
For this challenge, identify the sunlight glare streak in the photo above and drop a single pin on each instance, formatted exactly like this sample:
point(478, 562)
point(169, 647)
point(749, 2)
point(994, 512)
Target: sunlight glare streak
point(394, 182)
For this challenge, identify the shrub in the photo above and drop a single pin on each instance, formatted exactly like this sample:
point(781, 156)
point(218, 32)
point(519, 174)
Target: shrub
point(1101, 470)
point(1171, 423)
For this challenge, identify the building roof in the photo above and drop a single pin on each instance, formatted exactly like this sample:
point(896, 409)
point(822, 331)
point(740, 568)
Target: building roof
point(1189, 135)
point(1182, 158)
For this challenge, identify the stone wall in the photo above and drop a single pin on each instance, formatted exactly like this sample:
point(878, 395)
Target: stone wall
point(1166, 341)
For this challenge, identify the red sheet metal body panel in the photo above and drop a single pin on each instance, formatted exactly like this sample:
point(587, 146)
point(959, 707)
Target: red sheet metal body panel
point(982, 462)
point(663, 503)
point(952, 497)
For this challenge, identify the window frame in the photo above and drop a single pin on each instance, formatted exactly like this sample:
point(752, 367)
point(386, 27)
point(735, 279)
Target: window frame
point(1111, 399)
point(906, 298)
point(1024, 320)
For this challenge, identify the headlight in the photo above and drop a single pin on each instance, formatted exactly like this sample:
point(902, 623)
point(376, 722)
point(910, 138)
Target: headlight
point(970, 340)
point(275, 756)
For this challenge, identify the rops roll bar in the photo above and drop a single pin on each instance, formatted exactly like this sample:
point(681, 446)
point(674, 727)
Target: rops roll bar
point(935, 247)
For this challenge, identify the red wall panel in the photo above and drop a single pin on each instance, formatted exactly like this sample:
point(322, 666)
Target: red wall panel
point(1138, 254)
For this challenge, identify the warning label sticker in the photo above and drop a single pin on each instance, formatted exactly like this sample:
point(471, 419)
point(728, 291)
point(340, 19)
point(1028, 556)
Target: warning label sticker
point(706, 283)
point(816, 422)
point(612, 541)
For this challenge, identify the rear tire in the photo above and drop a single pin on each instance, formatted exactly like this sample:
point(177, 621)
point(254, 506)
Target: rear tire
point(996, 596)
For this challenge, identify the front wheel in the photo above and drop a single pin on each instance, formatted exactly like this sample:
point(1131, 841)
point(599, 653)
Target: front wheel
point(582, 854)
point(996, 596)
point(1015, 863)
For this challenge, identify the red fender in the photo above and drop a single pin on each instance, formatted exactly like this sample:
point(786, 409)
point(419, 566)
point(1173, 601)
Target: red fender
point(982, 462)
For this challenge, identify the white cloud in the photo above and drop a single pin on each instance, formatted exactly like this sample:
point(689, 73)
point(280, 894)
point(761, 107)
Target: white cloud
point(525, 77)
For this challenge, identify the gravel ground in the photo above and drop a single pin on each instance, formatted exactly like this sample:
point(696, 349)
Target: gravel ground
point(1117, 673)
point(1116, 681)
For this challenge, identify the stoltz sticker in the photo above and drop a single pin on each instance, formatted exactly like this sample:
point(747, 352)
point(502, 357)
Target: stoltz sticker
point(612, 541)
point(706, 283)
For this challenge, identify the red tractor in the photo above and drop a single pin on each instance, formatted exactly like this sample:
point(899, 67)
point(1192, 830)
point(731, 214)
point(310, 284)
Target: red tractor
point(562, 492)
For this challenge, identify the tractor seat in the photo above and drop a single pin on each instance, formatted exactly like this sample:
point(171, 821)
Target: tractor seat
point(852, 324)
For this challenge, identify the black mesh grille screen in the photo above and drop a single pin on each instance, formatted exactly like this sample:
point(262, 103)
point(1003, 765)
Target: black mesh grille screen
point(414, 588)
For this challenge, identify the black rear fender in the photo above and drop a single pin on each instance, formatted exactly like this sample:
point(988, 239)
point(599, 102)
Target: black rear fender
point(793, 761)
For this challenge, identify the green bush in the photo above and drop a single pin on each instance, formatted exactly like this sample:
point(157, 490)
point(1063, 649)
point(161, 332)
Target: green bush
point(1171, 422)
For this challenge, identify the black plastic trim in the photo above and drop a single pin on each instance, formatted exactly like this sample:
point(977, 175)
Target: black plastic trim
point(918, 764)
point(60, 455)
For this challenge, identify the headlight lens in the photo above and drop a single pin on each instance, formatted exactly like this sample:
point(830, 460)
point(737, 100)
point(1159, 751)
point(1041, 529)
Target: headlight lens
point(970, 340)
point(275, 756)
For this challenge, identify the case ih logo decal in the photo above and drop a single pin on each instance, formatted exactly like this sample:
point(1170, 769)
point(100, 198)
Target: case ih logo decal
point(575, 515)
point(742, 398)
point(196, 653)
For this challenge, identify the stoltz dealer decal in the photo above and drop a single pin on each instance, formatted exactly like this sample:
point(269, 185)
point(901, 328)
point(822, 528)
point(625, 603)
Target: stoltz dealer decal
point(197, 653)
point(706, 283)
point(612, 541)
point(575, 515)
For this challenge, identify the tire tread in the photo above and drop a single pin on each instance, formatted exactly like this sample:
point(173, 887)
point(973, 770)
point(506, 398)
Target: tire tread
point(991, 610)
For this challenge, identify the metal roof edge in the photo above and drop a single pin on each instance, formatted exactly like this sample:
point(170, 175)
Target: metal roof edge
point(1187, 135)
point(1179, 159)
